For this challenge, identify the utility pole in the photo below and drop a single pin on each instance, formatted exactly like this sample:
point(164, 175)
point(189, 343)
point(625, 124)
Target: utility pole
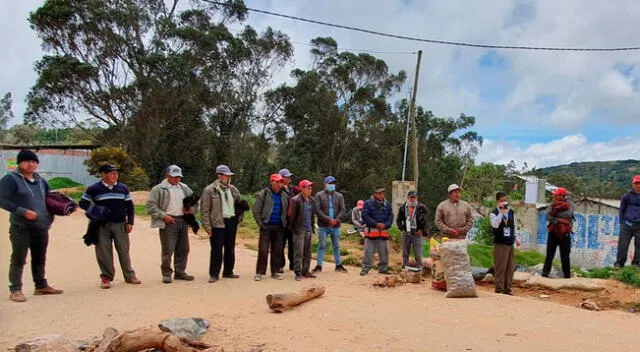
point(412, 117)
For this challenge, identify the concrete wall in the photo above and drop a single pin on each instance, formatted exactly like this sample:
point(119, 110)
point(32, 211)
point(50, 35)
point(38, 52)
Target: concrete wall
point(399, 194)
point(54, 163)
point(595, 239)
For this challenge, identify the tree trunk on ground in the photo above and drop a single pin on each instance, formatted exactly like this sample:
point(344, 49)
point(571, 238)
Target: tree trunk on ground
point(280, 302)
point(143, 339)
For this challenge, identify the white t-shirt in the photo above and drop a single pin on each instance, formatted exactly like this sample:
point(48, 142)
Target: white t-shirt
point(176, 195)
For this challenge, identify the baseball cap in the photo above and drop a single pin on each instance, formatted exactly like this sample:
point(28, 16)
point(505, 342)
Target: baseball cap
point(412, 194)
point(560, 191)
point(377, 189)
point(174, 171)
point(275, 178)
point(285, 173)
point(635, 179)
point(453, 187)
point(360, 204)
point(224, 169)
point(305, 183)
point(108, 168)
point(329, 179)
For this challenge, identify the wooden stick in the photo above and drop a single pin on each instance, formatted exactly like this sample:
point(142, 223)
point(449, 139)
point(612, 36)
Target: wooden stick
point(280, 302)
point(144, 339)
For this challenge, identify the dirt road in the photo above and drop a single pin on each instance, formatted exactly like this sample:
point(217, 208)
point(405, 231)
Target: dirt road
point(351, 316)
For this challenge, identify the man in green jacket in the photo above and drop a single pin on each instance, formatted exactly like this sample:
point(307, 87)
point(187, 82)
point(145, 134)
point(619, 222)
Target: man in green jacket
point(166, 209)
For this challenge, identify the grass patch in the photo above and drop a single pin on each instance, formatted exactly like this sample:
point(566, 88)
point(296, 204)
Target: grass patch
point(629, 275)
point(140, 210)
point(352, 261)
point(598, 273)
point(251, 247)
point(482, 255)
point(76, 196)
point(63, 182)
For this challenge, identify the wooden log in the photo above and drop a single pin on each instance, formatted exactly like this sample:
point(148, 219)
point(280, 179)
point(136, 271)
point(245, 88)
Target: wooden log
point(279, 302)
point(144, 339)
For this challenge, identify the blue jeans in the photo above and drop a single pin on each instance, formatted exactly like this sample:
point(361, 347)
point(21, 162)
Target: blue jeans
point(335, 243)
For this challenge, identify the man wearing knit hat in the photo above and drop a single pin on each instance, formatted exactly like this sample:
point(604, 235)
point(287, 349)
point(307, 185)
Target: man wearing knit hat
point(23, 193)
point(630, 224)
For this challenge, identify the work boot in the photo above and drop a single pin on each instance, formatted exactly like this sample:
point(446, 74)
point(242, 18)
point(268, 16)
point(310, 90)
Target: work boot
point(341, 269)
point(317, 269)
point(309, 275)
point(47, 291)
point(185, 277)
point(230, 276)
point(364, 272)
point(17, 296)
point(277, 276)
point(166, 279)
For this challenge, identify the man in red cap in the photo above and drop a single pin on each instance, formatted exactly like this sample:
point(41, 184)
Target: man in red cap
point(270, 212)
point(302, 218)
point(560, 227)
point(357, 221)
point(629, 224)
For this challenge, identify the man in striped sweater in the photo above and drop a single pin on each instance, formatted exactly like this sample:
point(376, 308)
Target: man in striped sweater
point(114, 198)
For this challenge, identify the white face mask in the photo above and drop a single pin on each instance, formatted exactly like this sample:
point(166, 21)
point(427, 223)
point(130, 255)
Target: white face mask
point(330, 187)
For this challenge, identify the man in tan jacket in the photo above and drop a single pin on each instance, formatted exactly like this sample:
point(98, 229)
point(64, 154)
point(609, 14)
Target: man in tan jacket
point(454, 216)
point(217, 207)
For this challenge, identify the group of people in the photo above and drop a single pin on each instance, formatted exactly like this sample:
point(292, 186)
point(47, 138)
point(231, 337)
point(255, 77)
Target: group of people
point(286, 216)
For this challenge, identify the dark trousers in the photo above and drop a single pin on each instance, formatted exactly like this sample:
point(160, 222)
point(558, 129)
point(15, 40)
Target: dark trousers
point(23, 240)
point(302, 253)
point(270, 239)
point(223, 248)
point(287, 240)
point(565, 250)
point(626, 234)
point(503, 264)
point(174, 240)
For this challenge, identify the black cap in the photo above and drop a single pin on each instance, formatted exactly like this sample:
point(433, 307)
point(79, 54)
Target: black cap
point(377, 189)
point(108, 168)
point(27, 155)
point(412, 194)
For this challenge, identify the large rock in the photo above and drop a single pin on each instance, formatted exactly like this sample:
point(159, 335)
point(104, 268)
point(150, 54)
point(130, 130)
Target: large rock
point(576, 283)
point(412, 277)
point(537, 269)
point(46, 343)
point(191, 328)
point(521, 276)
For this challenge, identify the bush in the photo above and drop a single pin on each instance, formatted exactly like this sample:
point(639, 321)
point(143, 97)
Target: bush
point(63, 182)
point(598, 273)
point(484, 234)
point(130, 174)
point(629, 275)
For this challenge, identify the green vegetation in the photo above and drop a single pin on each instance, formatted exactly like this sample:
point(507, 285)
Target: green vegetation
point(63, 182)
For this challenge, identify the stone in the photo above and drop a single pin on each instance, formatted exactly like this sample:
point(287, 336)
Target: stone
point(412, 277)
point(45, 343)
point(521, 276)
point(576, 283)
point(537, 269)
point(191, 328)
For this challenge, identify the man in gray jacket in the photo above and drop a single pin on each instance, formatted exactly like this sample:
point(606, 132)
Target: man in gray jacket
point(217, 207)
point(270, 213)
point(166, 209)
point(22, 193)
point(330, 210)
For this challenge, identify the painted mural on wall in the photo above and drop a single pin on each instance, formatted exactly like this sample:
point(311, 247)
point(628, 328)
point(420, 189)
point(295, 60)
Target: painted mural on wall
point(594, 241)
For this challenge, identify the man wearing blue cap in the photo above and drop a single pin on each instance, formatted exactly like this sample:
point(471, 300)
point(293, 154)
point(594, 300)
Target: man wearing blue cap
point(329, 210)
point(288, 233)
point(165, 205)
point(217, 208)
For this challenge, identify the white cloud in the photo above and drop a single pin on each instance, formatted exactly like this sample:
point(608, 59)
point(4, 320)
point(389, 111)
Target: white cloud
point(571, 148)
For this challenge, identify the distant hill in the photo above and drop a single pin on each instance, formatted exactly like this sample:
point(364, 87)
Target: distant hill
point(618, 172)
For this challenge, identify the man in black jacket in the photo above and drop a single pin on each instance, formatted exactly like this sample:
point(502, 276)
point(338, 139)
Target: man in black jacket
point(503, 225)
point(413, 222)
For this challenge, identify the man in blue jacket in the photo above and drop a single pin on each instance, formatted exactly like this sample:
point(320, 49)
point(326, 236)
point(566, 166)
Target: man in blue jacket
point(378, 217)
point(22, 193)
point(629, 224)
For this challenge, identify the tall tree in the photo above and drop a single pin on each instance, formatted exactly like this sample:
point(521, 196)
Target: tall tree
point(6, 114)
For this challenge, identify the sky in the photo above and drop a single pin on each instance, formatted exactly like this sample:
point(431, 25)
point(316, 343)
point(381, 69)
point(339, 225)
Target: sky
point(539, 107)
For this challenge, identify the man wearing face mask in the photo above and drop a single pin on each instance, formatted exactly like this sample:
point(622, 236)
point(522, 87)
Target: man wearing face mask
point(329, 210)
point(219, 220)
point(413, 221)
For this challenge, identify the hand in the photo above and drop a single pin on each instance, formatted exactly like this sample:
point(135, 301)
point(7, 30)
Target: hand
point(419, 233)
point(332, 222)
point(209, 232)
point(380, 226)
point(30, 215)
point(168, 219)
point(128, 228)
point(517, 242)
point(504, 210)
point(454, 232)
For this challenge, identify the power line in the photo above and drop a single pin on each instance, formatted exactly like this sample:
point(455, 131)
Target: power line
point(424, 40)
point(361, 50)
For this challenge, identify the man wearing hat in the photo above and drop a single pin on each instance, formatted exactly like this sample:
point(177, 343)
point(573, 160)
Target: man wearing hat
point(165, 205)
point(413, 222)
point(560, 227)
point(288, 233)
point(330, 210)
point(378, 216)
point(217, 209)
point(113, 196)
point(22, 194)
point(454, 217)
point(270, 213)
point(629, 224)
point(302, 218)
